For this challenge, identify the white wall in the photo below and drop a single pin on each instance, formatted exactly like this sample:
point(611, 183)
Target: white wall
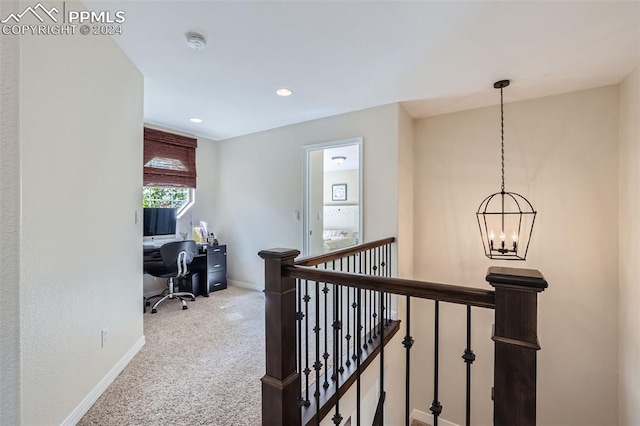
point(9, 227)
point(562, 154)
point(261, 185)
point(629, 231)
point(206, 193)
point(80, 257)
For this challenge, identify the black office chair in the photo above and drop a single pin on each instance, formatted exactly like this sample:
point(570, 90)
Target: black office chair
point(176, 257)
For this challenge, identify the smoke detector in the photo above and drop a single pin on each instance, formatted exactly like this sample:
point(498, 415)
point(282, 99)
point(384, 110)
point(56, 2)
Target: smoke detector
point(196, 41)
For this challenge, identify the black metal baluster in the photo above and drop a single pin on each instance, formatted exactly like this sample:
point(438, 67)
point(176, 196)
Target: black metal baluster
point(340, 318)
point(374, 323)
point(337, 418)
point(348, 336)
point(372, 318)
point(382, 345)
point(356, 331)
point(468, 358)
point(325, 385)
point(317, 365)
point(375, 295)
point(388, 274)
point(299, 318)
point(358, 358)
point(408, 343)
point(436, 407)
point(307, 370)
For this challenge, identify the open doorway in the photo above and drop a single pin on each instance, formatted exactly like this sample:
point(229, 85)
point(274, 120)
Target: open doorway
point(332, 196)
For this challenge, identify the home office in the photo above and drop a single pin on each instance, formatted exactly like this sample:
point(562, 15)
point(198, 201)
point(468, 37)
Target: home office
point(175, 266)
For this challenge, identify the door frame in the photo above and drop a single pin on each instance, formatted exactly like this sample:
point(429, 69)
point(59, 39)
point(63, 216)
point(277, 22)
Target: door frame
point(307, 149)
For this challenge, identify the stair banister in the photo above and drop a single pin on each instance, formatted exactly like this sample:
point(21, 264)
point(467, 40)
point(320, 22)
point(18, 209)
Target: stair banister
point(516, 344)
point(281, 383)
point(514, 299)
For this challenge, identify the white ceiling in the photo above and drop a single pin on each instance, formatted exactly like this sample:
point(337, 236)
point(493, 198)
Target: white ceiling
point(341, 56)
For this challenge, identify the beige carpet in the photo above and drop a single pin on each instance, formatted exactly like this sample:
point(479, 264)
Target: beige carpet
point(201, 366)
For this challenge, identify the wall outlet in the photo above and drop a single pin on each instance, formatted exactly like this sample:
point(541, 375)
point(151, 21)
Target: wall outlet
point(105, 337)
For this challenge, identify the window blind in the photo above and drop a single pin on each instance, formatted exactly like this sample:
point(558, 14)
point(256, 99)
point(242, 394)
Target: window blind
point(169, 159)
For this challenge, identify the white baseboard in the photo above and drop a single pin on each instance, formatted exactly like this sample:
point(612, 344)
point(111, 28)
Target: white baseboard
point(93, 396)
point(245, 285)
point(428, 418)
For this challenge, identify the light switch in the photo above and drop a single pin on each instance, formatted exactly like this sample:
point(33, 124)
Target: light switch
point(137, 219)
point(296, 215)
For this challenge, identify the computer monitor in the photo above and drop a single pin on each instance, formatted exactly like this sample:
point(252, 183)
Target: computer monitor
point(159, 221)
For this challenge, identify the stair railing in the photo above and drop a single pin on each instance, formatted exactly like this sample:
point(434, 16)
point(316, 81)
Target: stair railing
point(308, 368)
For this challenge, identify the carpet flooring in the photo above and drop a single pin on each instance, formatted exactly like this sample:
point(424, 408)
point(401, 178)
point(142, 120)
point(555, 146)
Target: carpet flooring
point(200, 366)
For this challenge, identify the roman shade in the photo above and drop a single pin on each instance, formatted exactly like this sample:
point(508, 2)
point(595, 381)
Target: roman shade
point(169, 159)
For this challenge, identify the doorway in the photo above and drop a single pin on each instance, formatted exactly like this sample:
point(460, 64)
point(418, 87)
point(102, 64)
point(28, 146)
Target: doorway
point(332, 196)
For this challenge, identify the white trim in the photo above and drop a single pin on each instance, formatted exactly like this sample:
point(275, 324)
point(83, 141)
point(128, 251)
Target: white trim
point(428, 418)
point(306, 152)
point(245, 285)
point(190, 202)
point(93, 396)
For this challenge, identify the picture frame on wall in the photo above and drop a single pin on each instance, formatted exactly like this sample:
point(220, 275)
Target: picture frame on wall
point(339, 192)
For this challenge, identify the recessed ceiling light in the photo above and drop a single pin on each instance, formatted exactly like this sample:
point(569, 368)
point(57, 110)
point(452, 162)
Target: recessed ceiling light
point(195, 120)
point(196, 41)
point(284, 92)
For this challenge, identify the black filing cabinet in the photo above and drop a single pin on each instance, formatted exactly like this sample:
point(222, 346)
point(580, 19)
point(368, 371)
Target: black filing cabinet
point(216, 273)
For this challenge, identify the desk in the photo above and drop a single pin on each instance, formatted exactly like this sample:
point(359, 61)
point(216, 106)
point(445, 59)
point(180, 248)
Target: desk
point(207, 272)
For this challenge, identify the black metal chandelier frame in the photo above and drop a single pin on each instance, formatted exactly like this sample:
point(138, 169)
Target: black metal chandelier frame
point(524, 210)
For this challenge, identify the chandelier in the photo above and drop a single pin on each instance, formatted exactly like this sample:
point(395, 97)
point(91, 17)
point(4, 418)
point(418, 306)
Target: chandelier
point(505, 218)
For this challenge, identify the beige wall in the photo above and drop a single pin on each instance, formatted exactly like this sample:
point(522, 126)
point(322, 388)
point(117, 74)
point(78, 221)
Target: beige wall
point(629, 231)
point(562, 154)
point(406, 185)
point(261, 185)
point(80, 257)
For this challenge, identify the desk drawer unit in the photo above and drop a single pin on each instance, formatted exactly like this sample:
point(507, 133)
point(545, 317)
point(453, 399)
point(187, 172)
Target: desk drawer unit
point(216, 270)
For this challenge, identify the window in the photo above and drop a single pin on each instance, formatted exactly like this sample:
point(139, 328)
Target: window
point(169, 175)
point(180, 198)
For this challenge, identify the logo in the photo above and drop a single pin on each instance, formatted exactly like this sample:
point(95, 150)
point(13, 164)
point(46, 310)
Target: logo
point(34, 11)
point(41, 20)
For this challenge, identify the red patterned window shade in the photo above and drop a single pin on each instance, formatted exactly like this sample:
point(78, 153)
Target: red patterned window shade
point(169, 160)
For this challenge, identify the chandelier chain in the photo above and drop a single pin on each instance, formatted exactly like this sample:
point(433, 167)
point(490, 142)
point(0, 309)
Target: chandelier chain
point(502, 135)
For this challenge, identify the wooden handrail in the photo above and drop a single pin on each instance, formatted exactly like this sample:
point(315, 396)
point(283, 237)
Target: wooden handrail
point(337, 254)
point(425, 290)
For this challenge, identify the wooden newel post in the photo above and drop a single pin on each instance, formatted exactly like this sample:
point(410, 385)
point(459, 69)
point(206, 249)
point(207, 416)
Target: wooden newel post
point(281, 383)
point(516, 344)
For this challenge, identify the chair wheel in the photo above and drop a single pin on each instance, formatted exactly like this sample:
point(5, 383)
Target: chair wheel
point(153, 311)
point(184, 307)
point(148, 303)
point(193, 299)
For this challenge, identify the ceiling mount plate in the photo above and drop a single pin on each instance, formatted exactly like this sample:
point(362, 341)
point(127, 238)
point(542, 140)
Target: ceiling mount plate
point(501, 84)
